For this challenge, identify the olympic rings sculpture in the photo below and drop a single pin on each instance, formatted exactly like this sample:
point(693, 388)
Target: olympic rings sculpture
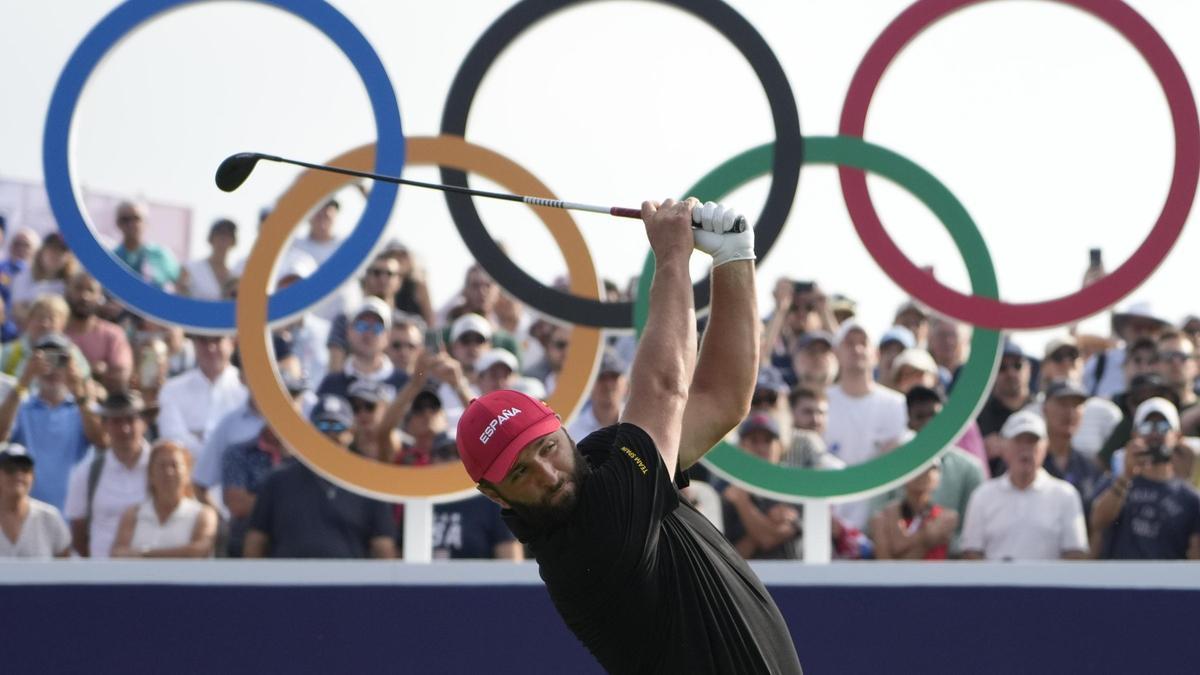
point(255, 310)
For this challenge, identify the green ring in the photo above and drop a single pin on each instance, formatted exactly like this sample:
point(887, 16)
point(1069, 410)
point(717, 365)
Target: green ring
point(974, 382)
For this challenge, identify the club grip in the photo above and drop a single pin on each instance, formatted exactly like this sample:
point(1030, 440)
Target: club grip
point(739, 222)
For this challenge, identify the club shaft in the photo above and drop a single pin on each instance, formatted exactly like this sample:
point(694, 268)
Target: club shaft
point(532, 201)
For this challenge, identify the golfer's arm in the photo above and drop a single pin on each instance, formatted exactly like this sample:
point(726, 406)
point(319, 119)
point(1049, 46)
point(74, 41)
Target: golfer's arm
point(666, 356)
point(728, 366)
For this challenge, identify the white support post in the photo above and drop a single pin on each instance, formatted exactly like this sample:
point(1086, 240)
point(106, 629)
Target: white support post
point(818, 545)
point(418, 531)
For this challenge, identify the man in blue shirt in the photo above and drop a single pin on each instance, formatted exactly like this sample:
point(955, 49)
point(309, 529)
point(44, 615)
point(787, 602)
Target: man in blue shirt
point(152, 262)
point(1147, 513)
point(57, 424)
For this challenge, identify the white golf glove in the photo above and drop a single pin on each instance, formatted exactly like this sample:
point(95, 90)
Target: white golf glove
point(716, 237)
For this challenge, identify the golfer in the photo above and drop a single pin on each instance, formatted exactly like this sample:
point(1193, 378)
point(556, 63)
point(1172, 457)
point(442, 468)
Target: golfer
point(642, 578)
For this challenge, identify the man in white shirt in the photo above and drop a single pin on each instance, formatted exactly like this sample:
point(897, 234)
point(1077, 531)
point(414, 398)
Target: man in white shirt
point(321, 243)
point(194, 401)
point(1024, 514)
point(108, 481)
point(864, 417)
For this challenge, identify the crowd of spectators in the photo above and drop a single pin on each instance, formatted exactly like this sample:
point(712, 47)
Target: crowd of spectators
point(120, 437)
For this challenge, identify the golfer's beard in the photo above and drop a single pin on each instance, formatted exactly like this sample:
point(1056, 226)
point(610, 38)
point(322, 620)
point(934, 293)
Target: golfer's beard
point(546, 514)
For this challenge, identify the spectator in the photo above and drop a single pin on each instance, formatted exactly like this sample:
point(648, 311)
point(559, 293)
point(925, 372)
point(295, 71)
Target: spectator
point(915, 527)
point(1148, 513)
point(244, 467)
point(1190, 326)
point(479, 295)
point(495, 370)
point(406, 341)
point(207, 278)
point(46, 275)
point(47, 316)
point(864, 418)
point(103, 343)
point(381, 280)
point(113, 479)
point(367, 401)
point(56, 423)
point(1010, 393)
point(557, 341)
point(760, 528)
point(1026, 514)
point(912, 315)
point(948, 347)
point(418, 411)
point(894, 341)
point(171, 523)
point(153, 263)
point(801, 307)
point(1063, 411)
point(1142, 387)
point(413, 296)
point(914, 368)
point(769, 398)
point(1099, 416)
point(1177, 365)
point(298, 514)
point(807, 449)
point(191, 404)
point(1102, 374)
point(239, 426)
point(320, 244)
point(814, 363)
point(307, 335)
point(368, 337)
point(31, 528)
point(959, 472)
point(20, 252)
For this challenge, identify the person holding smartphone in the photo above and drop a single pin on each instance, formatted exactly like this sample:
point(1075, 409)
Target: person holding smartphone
point(56, 423)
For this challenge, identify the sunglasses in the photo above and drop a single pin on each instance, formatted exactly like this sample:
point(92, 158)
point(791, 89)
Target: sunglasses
point(559, 344)
point(471, 339)
point(330, 427)
point(425, 407)
point(363, 406)
point(1175, 357)
point(399, 344)
point(1160, 427)
point(368, 327)
point(381, 272)
point(128, 219)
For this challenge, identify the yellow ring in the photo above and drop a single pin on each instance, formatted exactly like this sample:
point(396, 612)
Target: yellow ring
point(359, 474)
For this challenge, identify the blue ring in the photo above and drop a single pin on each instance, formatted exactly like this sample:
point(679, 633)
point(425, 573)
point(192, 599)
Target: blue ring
point(210, 315)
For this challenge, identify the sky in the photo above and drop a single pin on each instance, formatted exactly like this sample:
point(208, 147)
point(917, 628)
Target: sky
point(1042, 120)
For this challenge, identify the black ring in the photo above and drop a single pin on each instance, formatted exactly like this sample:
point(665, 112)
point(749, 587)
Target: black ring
point(785, 170)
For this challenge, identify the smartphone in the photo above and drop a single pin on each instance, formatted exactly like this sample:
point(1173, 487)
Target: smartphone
point(1094, 258)
point(804, 286)
point(433, 340)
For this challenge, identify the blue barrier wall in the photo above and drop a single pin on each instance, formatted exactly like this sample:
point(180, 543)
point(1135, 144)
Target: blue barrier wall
point(512, 628)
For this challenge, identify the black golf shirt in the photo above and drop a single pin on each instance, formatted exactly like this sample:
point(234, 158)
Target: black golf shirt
point(645, 581)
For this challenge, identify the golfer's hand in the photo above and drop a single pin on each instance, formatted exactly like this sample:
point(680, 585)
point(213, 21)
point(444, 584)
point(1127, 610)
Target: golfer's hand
point(717, 238)
point(669, 228)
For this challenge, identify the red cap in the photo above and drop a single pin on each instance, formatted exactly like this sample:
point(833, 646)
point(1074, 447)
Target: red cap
point(495, 428)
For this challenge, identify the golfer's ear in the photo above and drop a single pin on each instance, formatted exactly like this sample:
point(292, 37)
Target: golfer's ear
point(490, 492)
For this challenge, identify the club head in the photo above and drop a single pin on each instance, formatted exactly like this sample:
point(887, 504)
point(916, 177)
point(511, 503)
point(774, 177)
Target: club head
point(235, 170)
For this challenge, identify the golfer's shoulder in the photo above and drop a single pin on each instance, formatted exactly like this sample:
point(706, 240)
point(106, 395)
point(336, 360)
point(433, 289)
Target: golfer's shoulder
point(620, 444)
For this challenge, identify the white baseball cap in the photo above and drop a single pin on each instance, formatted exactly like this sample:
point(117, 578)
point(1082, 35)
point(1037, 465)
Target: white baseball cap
point(1024, 422)
point(1157, 405)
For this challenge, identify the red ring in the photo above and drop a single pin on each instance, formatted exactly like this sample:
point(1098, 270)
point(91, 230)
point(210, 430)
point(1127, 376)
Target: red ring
point(996, 314)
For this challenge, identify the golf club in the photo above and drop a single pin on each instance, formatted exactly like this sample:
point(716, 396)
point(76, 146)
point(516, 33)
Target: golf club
point(237, 168)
